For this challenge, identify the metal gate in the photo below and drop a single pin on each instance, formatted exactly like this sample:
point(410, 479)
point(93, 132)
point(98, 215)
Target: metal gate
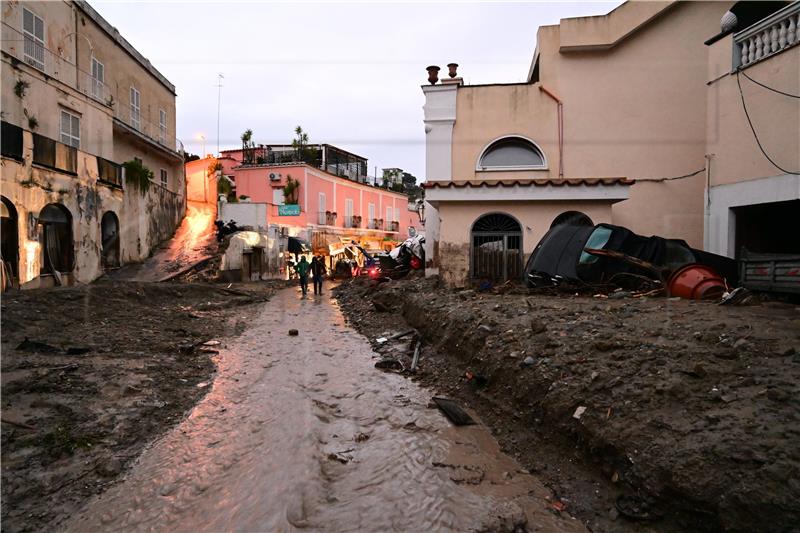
point(496, 248)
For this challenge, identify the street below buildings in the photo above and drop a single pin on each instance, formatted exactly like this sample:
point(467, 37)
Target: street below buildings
point(302, 432)
point(194, 240)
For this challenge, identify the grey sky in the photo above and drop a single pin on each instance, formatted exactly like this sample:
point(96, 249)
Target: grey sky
point(348, 72)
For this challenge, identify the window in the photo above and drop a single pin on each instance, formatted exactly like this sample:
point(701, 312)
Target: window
point(98, 79)
point(163, 178)
point(511, 153)
point(135, 108)
point(388, 214)
point(109, 172)
point(323, 218)
point(349, 219)
point(70, 129)
point(11, 141)
point(33, 30)
point(596, 241)
point(396, 214)
point(371, 210)
point(162, 126)
point(277, 196)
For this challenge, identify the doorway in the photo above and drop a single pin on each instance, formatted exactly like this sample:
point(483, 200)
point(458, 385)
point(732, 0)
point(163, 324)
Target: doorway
point(9, 227)
point(496, 248)
point(109, 231)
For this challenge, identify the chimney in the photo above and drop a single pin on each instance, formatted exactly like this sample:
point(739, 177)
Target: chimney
point(433, 74)
point(454, 79)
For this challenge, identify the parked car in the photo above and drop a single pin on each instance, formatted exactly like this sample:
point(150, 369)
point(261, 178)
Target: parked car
point(561, 255)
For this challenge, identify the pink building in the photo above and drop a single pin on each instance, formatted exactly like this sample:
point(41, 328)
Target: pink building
point(328, 206)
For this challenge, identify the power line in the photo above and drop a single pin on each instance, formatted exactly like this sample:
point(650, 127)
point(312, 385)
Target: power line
point(790, 95)
point(695, 173)
point(753, 129)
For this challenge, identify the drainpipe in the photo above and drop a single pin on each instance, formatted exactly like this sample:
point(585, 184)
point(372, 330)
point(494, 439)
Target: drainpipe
point(560, 121)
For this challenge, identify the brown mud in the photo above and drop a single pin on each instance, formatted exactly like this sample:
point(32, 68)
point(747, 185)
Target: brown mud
point(91, 374)
point(648, 414)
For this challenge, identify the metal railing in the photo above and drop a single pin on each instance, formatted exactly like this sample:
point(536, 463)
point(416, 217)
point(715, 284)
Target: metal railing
point(394, 226)
point(352, 222)
point(768, 36)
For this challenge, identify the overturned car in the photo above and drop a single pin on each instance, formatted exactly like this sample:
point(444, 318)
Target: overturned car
point(613, 255)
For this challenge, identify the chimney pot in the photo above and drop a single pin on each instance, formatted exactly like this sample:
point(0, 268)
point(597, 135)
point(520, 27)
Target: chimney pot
point(452, 69)
point(433, 74)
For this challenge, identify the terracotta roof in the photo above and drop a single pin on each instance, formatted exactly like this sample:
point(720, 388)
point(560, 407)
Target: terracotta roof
point(536, 182)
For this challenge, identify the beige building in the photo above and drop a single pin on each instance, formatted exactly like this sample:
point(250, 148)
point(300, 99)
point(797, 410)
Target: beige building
point(92, 173)
point(627, 118)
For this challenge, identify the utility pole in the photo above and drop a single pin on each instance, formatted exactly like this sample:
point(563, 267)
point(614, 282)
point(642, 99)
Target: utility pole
point(220, 77)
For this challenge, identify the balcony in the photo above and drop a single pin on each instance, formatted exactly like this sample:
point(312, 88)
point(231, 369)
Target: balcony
point(375, 223)
point(27, 50)
point(352, 222)
point(768, 37)
point(326, 218)
point(130, 121)
point(394, 226)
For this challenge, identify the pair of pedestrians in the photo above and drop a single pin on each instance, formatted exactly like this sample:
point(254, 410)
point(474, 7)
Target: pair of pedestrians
point(316, 268)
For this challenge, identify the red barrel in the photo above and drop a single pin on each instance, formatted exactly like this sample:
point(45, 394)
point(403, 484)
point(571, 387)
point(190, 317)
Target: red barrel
point(696, 282)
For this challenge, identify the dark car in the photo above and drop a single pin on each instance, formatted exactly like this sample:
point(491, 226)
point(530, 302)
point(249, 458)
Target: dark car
point(561, 254)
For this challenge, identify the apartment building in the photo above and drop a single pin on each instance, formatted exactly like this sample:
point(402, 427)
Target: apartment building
point(633, 118)
point(92, 173)
point(332, 199)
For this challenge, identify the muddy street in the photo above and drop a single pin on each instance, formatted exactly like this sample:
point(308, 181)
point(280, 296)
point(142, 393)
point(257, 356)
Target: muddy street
point(303, 432)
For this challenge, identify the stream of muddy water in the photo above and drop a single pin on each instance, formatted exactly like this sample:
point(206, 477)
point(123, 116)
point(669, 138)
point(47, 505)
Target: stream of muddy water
point(304, 433)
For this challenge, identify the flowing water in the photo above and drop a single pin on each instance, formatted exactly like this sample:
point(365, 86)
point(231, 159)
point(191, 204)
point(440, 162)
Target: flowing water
point(303, 432)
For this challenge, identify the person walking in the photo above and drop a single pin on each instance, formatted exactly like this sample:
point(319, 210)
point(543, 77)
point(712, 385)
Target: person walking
point(302, 269)
point(318, 270)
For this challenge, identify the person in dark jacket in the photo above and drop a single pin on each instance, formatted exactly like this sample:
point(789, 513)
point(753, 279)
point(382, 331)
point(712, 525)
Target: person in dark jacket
point(318, 270)
point(302, 269)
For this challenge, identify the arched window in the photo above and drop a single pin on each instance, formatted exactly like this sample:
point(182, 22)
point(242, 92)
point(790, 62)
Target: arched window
point(573, 218)
point(511, 153)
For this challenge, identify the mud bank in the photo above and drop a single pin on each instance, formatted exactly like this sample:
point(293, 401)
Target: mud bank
point(91, 374)
point(641, 414)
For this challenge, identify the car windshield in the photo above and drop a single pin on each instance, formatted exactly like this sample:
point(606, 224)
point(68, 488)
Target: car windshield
point(596, 240)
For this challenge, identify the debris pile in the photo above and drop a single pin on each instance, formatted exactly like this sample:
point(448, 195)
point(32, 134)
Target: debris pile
point(665, 409)
point(91, 374)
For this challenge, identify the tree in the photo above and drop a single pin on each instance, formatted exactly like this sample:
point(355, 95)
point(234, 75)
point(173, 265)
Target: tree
point(302, 152)
point(190, 157)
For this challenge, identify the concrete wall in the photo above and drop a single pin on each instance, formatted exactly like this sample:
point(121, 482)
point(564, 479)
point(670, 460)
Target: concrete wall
point(245, 214)
point(535, 219)
point(200, 185)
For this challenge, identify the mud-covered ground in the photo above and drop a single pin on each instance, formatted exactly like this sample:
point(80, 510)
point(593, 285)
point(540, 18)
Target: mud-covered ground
point(91, 374)
point(648, 414)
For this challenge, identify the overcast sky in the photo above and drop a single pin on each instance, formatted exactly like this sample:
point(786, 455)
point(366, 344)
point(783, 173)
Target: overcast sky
point(348, 72)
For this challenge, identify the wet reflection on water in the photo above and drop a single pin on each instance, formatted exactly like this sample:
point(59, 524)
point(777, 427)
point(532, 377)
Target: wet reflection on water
point(303, 432)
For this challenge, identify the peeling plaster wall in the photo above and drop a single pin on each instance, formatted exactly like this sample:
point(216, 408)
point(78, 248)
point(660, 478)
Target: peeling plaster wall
point(145, 220)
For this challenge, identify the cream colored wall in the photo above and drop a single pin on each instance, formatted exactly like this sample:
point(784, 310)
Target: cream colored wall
point(776, 117)
point(636, 110)
point(123, 72)
point(534, 217)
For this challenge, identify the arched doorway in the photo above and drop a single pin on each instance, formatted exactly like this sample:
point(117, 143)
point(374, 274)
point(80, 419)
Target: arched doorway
point(109, 231)
point(9, 252)
point(574, 218)
point(496, 248)
point(56, 240)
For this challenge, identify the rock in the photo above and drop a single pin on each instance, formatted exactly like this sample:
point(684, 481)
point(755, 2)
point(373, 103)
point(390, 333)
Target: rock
point(579, 412)
point(740, 344)
point(594, 375)
point(111, 468)
point(537, 326)
point(613, 514)
point(777, 395)
point(512, 355)
point(528, 361)
point(293, 333)
point(618, 295)
point(715, 394)
point(485, 329)
point(604, 346)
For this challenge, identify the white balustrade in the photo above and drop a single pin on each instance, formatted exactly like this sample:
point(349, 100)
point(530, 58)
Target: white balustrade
point(769, 36)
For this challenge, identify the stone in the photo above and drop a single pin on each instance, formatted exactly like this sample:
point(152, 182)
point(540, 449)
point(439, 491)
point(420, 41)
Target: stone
point(777, 395)
point(528, 361)
point(618, 295)
point(537, 326)
point(111, 468)
point(484, 328)
point(579, 412)
point(293, 333)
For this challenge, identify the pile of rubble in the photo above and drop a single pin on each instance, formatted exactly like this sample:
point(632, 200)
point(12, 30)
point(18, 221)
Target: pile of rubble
point(660, 409)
